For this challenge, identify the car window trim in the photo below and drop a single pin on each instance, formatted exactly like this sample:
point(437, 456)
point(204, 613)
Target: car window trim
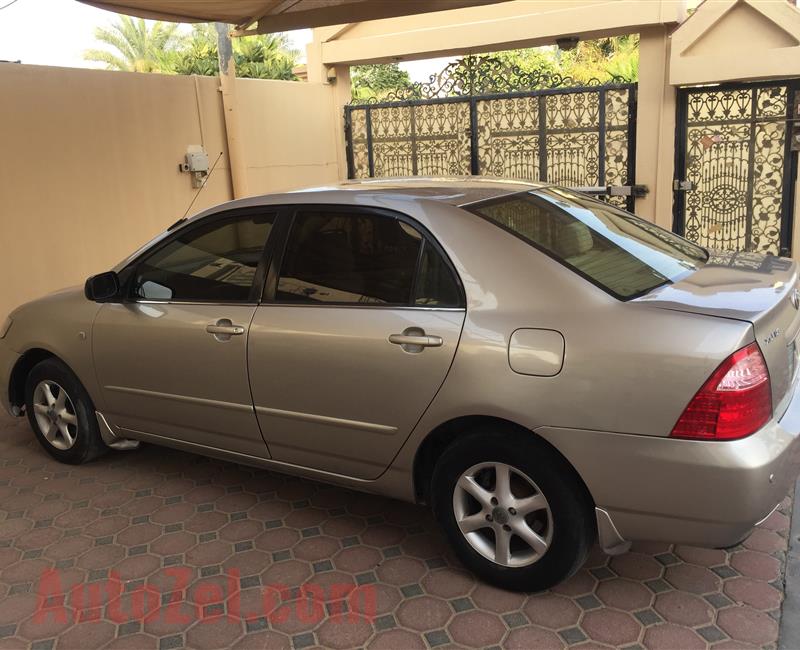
point(417, 271)
point(223, 216)
point(271, 284)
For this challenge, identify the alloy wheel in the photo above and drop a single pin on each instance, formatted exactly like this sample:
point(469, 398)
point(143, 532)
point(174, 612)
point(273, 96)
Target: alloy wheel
point(55, 414)
point(503, 514)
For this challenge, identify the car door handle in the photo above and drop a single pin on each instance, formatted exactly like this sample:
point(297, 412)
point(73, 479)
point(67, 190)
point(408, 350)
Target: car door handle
point(230, 330)
point(224, 329)
point(424, 341)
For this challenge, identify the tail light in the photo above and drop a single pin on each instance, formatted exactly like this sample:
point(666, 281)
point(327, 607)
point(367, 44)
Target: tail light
point(735, 401)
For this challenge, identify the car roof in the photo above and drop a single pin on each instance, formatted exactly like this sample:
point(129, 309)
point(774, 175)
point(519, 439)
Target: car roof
point(455, 190)
point(458, 191)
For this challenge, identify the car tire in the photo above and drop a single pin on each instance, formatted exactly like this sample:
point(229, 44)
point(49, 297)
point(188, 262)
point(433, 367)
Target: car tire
point(62, 414)
point(551, 501)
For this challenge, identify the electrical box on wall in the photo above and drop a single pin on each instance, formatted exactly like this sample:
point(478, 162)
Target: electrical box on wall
point(195, 163)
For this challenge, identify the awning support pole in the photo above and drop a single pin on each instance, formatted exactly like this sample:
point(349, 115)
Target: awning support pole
point(227, 78)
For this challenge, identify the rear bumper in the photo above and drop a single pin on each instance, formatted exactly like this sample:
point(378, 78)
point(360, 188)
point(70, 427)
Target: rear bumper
point(8, 358)
point(685, 491)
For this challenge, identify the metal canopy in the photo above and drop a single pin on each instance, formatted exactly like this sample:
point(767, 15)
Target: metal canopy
point(262, 16)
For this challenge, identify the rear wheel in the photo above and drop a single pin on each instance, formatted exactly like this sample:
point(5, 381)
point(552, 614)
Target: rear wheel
point(61, 413)
point(514, 510)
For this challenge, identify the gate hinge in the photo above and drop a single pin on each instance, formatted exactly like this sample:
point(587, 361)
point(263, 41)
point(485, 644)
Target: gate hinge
point(683, 186)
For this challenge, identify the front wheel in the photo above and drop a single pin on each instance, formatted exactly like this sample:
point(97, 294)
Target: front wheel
point(514, 510)
point(61, 413)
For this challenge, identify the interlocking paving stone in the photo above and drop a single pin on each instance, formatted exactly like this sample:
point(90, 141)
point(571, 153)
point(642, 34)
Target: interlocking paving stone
point(7, 630)
point(602, 573)
point(170, 642)
point(718, 601)
point(303, 640)
point(724, 571)
point(385, 622)
point(515, 619)
point(588, 602)
point(437, 638)
point(323, 565)
point(647, 617)
point(220, 555)
point(573, 635)
point(461, 604)
point(711, 633)
point(411, 590)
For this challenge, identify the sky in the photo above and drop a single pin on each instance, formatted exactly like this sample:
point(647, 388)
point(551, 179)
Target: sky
point(57, 32)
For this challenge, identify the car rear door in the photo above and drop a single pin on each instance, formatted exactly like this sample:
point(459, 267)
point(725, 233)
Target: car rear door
point(172, 358)
point(359, 326)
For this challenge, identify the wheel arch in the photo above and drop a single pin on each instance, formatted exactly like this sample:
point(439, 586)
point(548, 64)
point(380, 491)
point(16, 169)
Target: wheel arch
point(22, 368)
point(446, 433)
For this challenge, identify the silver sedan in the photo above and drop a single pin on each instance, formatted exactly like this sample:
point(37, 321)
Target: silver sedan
point(543, 369)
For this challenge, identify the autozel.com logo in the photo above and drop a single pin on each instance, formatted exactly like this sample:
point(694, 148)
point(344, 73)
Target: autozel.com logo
point(185, 601)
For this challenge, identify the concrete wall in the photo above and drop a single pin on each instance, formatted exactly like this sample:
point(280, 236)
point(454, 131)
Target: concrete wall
point(89, 162)
point(736, 40)
point(291, 134)
point(519, 23)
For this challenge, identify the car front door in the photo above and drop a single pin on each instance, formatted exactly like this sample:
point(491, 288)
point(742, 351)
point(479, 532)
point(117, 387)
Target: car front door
point(360, 322)
point(172, 357)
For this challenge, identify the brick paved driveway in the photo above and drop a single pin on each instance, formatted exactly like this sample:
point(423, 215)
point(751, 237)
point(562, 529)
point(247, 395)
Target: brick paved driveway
point(161, 549)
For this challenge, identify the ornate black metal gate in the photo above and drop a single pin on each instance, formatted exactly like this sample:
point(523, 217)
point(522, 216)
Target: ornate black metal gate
point(735, 168)
point(482, 116)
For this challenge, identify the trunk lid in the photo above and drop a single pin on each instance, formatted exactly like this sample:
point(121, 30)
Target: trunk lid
point(759, 289)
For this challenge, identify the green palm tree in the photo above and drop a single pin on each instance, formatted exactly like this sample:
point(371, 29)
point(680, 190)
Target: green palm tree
point(136, 46)
point(267, 56)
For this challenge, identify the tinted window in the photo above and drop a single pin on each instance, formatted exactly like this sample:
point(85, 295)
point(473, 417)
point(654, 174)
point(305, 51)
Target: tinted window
point(616, 250)
point(212, 263)
point(349, 258)
point(436, 285)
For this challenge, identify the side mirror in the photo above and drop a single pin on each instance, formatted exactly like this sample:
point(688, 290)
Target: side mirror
point(103, 287)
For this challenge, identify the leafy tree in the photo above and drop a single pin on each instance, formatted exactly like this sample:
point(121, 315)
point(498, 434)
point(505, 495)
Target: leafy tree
point(141, 46)
point(378, 80)
point(135, 46)
point(603, 59)
point(266, 56)
point(543, 60)
point(624, 62)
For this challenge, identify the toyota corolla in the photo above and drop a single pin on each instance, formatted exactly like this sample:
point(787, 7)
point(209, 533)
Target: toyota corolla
point(543, 369)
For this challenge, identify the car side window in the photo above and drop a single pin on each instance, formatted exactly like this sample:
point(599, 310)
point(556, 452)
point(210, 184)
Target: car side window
point(359, 258)
point(436, 285)
point(216, 262)
point(349, 258)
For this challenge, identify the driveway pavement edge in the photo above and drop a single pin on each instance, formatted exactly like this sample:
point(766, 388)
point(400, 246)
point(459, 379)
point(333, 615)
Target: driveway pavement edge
point(789, 635)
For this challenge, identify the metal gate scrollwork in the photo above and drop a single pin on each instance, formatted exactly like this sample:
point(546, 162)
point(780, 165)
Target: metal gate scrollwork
point(737, 167)
point(483, 116)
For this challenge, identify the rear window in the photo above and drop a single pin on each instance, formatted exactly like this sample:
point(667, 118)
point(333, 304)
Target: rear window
point(622, 254)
